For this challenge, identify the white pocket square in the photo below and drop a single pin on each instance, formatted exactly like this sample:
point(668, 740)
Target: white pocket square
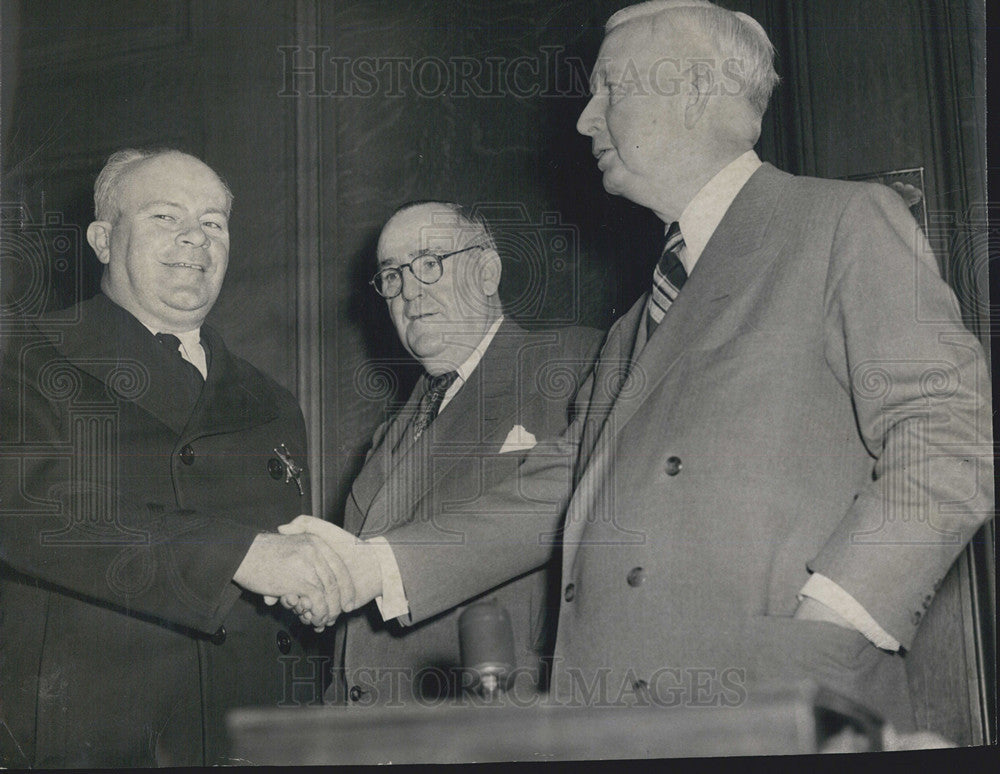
point(518, 439)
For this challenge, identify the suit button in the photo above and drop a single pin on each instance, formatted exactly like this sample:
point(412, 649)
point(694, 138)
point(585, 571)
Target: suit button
point(570, 592)
point(187, 455)
point(673, 466)
point(635, 577)
point(220, 636)
point(284, 642)
point(356, 693)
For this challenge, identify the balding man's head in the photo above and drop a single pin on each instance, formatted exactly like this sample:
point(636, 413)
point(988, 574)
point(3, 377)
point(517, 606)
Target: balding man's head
point(733, 36)
point(163, 235)
point(440, 273)
point(678, 92)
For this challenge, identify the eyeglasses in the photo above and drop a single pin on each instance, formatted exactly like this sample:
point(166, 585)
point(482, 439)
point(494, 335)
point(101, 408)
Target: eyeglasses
point(426, 267)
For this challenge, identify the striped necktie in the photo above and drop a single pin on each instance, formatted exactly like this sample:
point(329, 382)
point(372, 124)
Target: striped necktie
point(669, 277)
point(430, 404)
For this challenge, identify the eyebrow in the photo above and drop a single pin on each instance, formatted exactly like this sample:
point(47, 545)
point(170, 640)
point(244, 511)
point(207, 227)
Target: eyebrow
point(167, 203)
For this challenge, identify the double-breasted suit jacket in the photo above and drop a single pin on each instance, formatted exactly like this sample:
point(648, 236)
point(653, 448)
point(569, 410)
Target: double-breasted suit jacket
point(519, 394)
point(125, 515)
point(811, 401)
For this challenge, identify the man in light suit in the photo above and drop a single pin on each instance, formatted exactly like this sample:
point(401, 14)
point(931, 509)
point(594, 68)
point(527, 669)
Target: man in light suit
point(507, 390)
point(788, 439)
point(144, 471)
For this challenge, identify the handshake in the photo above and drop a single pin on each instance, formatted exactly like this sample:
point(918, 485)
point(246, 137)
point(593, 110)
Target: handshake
point(315, 568)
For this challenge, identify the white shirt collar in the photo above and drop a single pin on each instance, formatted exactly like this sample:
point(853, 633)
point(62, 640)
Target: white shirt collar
point(705, 211)
point(465, 370)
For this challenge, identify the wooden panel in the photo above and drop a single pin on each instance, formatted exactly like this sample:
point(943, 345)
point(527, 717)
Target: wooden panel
point(419, 129)
point(203, 77)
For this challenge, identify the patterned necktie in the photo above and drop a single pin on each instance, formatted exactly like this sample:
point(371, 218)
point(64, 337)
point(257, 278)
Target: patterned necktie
point(195, 381)
point(430, 404)
point(669, 277)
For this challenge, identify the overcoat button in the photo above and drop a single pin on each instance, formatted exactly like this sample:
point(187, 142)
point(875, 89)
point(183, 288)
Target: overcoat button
point(284, 642)
point(915, 618)
point(635, 577)
point(570, 592)
point(187, 455)
point(356, 693)
point(220, 636)
point(640, 685)
point(275, 468)
point(673, 466)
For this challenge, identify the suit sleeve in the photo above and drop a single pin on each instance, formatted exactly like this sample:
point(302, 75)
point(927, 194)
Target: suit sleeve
point(918, 381)
point(171, 565)
point(453, 556)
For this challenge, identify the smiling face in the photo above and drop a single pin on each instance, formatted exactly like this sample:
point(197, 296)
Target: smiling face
point(168, 248)
point(442, 323)
point(639, 117)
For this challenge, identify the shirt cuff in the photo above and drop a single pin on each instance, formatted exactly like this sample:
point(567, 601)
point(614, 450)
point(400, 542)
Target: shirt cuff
point(829, 593)
point(392, 603)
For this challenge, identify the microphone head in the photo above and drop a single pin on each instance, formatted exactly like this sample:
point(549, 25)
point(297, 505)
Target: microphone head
point(486, 642)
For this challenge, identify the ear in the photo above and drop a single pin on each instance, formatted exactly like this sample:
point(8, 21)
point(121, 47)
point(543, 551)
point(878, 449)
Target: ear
point(490, 268)
point(702, 87)
point(99, 237)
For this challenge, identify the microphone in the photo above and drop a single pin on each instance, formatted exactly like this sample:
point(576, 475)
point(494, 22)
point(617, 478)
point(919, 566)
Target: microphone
point(486, 643)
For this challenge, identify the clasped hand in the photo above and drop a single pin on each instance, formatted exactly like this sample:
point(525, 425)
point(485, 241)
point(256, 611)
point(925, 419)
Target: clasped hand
point(314, 568)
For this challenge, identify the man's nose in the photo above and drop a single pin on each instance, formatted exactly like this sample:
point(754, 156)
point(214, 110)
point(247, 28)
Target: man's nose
point(412, 287)
point(590, 119)
point(193, 235)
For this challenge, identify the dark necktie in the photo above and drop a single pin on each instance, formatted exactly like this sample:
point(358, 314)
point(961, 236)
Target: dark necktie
point(430, 404)
point(669, 277)
point(193, 378)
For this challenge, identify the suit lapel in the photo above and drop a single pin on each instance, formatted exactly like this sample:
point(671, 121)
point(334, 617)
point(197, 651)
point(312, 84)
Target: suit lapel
point(738, 251)
point(371, 480)
point(469, 424)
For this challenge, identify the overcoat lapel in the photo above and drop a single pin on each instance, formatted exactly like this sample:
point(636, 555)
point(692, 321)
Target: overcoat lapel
point(127, 358)
point(233, 399)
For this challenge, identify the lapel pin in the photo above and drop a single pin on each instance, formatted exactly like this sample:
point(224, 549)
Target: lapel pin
point(292, 471)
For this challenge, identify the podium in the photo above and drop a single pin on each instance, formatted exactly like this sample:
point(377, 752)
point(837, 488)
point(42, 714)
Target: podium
point(793, 719)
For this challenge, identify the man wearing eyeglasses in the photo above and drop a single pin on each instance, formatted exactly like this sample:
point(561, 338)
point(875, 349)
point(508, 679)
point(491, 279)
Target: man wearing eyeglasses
point(490, 392)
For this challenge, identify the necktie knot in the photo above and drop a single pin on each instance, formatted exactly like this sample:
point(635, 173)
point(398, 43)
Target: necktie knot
point(170, 341)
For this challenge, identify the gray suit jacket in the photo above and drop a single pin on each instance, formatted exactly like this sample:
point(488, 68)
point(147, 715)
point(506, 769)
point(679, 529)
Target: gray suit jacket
point(524, 379)
point(811, 401)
